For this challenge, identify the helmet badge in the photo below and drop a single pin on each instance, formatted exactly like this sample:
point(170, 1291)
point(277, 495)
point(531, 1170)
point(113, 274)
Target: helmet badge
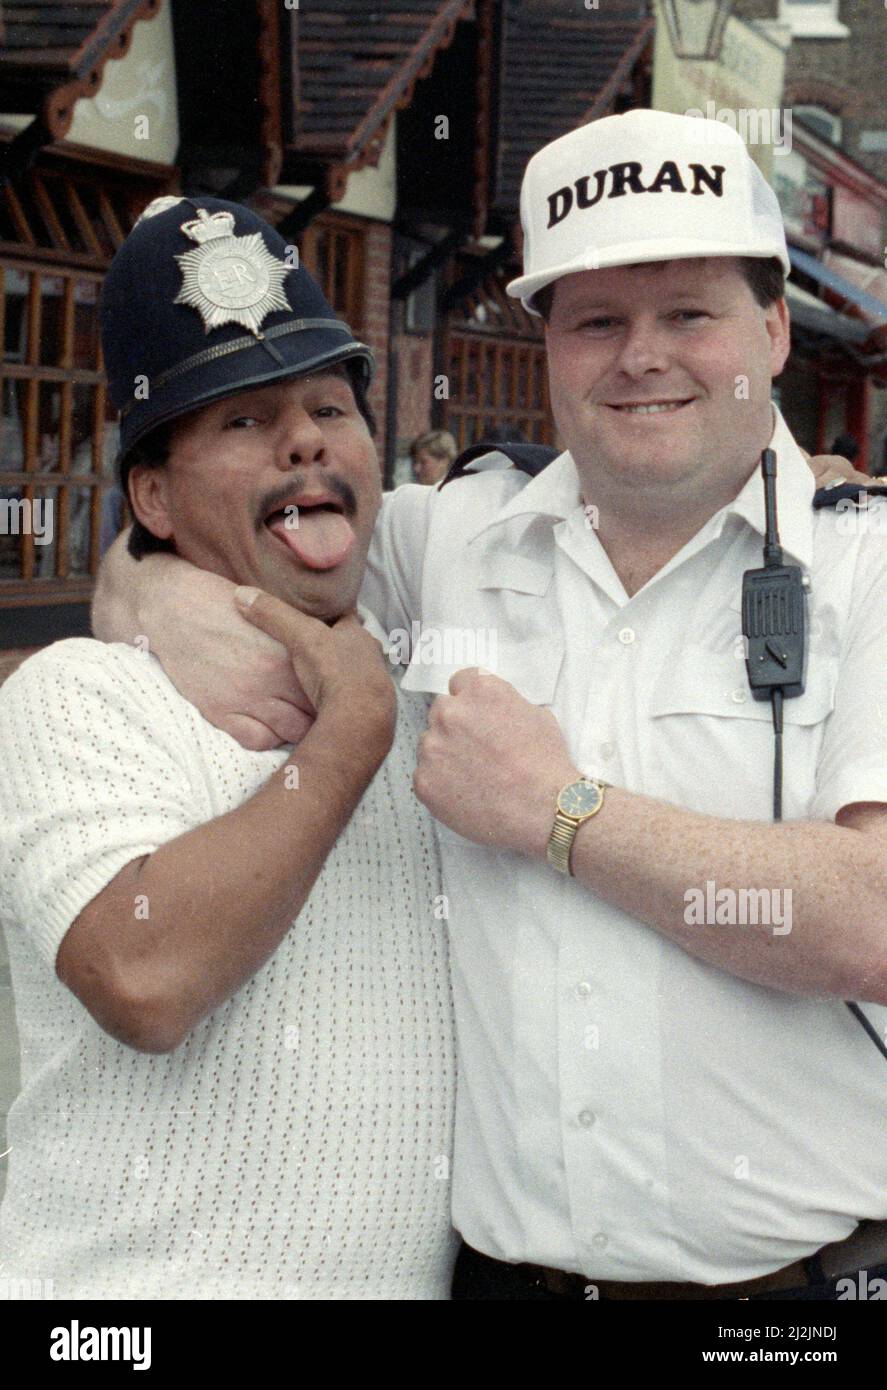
point(228, 278)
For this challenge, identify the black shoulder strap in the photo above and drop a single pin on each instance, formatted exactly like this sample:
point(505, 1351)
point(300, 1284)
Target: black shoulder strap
point(532, 458)
point(851, 492)
point(529, 458)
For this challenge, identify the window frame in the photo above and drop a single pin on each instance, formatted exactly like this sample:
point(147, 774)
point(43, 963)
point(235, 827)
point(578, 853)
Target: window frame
point(349, 233)
point(30, 589)
point(813, 19)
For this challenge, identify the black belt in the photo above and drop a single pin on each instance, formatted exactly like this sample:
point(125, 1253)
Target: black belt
point(863, 1248)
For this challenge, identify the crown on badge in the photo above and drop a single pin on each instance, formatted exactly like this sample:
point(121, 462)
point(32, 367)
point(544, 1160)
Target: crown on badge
point(228, 278)
point(207, 226)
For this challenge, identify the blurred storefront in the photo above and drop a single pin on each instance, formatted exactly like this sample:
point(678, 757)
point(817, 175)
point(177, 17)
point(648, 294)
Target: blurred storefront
point(837, 293)
point(721, 66)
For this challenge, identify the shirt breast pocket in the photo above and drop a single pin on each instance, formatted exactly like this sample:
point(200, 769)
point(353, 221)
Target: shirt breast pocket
point(532, 667)
point(712, 740)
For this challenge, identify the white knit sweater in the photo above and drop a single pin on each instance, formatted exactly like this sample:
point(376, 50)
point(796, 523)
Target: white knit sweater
point(297, 1144)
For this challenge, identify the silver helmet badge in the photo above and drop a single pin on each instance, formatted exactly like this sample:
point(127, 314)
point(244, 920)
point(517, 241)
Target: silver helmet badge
point(228, 278)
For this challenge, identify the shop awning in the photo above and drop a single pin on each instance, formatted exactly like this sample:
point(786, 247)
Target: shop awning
point(872, 280)
point(358, 63)
point(871, 310)
point(833, 337)
point(813, 314)
point(561, 67)
point(53, 54)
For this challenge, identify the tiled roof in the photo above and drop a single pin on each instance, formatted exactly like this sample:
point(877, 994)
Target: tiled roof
point(357, 62)
point(562, 66)
point(52, 54)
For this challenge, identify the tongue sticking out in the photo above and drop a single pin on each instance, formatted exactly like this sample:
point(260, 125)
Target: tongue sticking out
point(321, 540)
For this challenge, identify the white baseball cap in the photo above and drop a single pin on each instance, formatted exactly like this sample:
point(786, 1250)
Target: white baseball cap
point(643, 186)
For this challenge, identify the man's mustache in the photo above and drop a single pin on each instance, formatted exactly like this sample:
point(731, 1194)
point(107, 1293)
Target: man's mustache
point(297, 484)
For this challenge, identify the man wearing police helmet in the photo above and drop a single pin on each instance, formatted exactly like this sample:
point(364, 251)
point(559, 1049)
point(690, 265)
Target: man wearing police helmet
point(224, 1093)
point(662, 1093)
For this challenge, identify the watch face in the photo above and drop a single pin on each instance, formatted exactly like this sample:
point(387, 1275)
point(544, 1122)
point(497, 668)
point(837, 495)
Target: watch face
point(578, 799)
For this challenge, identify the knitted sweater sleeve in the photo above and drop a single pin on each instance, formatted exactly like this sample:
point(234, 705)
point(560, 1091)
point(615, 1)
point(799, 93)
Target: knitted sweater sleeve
point(90, 779)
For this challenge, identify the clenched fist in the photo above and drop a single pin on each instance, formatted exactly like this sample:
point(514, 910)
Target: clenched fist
point(491, 764)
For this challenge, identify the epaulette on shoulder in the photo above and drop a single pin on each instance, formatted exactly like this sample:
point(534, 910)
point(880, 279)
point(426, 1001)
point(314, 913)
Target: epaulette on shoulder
point(848, 492)
point(532, 458)
point(529, 458)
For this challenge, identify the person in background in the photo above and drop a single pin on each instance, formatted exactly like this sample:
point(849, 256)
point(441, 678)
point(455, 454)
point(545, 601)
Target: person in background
point(845, 446)
point(432, 453)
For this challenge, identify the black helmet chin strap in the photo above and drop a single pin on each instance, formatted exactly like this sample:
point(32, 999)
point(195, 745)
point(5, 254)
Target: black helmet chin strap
point(271, 349)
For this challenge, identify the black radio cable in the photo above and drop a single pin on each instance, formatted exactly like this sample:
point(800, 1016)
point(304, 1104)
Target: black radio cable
point(774, 624)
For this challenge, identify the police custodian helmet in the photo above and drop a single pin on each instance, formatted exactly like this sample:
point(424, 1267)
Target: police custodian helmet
point(205, 298)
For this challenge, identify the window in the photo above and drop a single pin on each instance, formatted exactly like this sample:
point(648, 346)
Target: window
point(57, 431)
point(420, 305)
point(333, 251)
point(496, 368)
point(60, 224)
point(813, 19)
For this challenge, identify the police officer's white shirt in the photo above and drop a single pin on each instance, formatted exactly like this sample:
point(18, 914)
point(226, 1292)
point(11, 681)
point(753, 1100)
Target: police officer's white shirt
point(624, 1110)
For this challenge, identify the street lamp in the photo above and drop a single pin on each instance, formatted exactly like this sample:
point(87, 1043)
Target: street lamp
point(696, 27)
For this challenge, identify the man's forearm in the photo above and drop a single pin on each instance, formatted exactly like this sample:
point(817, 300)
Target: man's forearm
point(655, 862)
point(699, 880)
point(218, 900)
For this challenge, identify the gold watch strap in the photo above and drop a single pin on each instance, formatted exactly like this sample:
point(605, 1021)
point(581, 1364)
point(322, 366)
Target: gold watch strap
point(563, 833)
point(560, 841)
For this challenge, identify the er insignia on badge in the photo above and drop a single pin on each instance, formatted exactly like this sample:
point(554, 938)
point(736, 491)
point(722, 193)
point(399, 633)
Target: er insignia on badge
point(230, 279)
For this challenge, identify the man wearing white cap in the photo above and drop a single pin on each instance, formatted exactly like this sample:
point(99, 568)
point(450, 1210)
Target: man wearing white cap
point(661, 1093)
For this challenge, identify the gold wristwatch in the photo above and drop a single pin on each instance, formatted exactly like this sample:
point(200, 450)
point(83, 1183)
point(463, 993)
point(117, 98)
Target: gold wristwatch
point(576, 803)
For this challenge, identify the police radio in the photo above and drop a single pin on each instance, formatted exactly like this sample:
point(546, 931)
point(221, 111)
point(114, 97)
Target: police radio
point(774, 624)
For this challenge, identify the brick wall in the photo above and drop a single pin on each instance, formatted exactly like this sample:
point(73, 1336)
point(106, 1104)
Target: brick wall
point(846, 76)
point(377, 281)
point(414, 387)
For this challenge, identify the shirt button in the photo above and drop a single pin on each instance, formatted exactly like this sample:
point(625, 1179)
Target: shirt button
point(600, 1241)
point(586, 1118)
point(583, 990)
point(607, 750)
point(739, 696)
point(626, 636)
